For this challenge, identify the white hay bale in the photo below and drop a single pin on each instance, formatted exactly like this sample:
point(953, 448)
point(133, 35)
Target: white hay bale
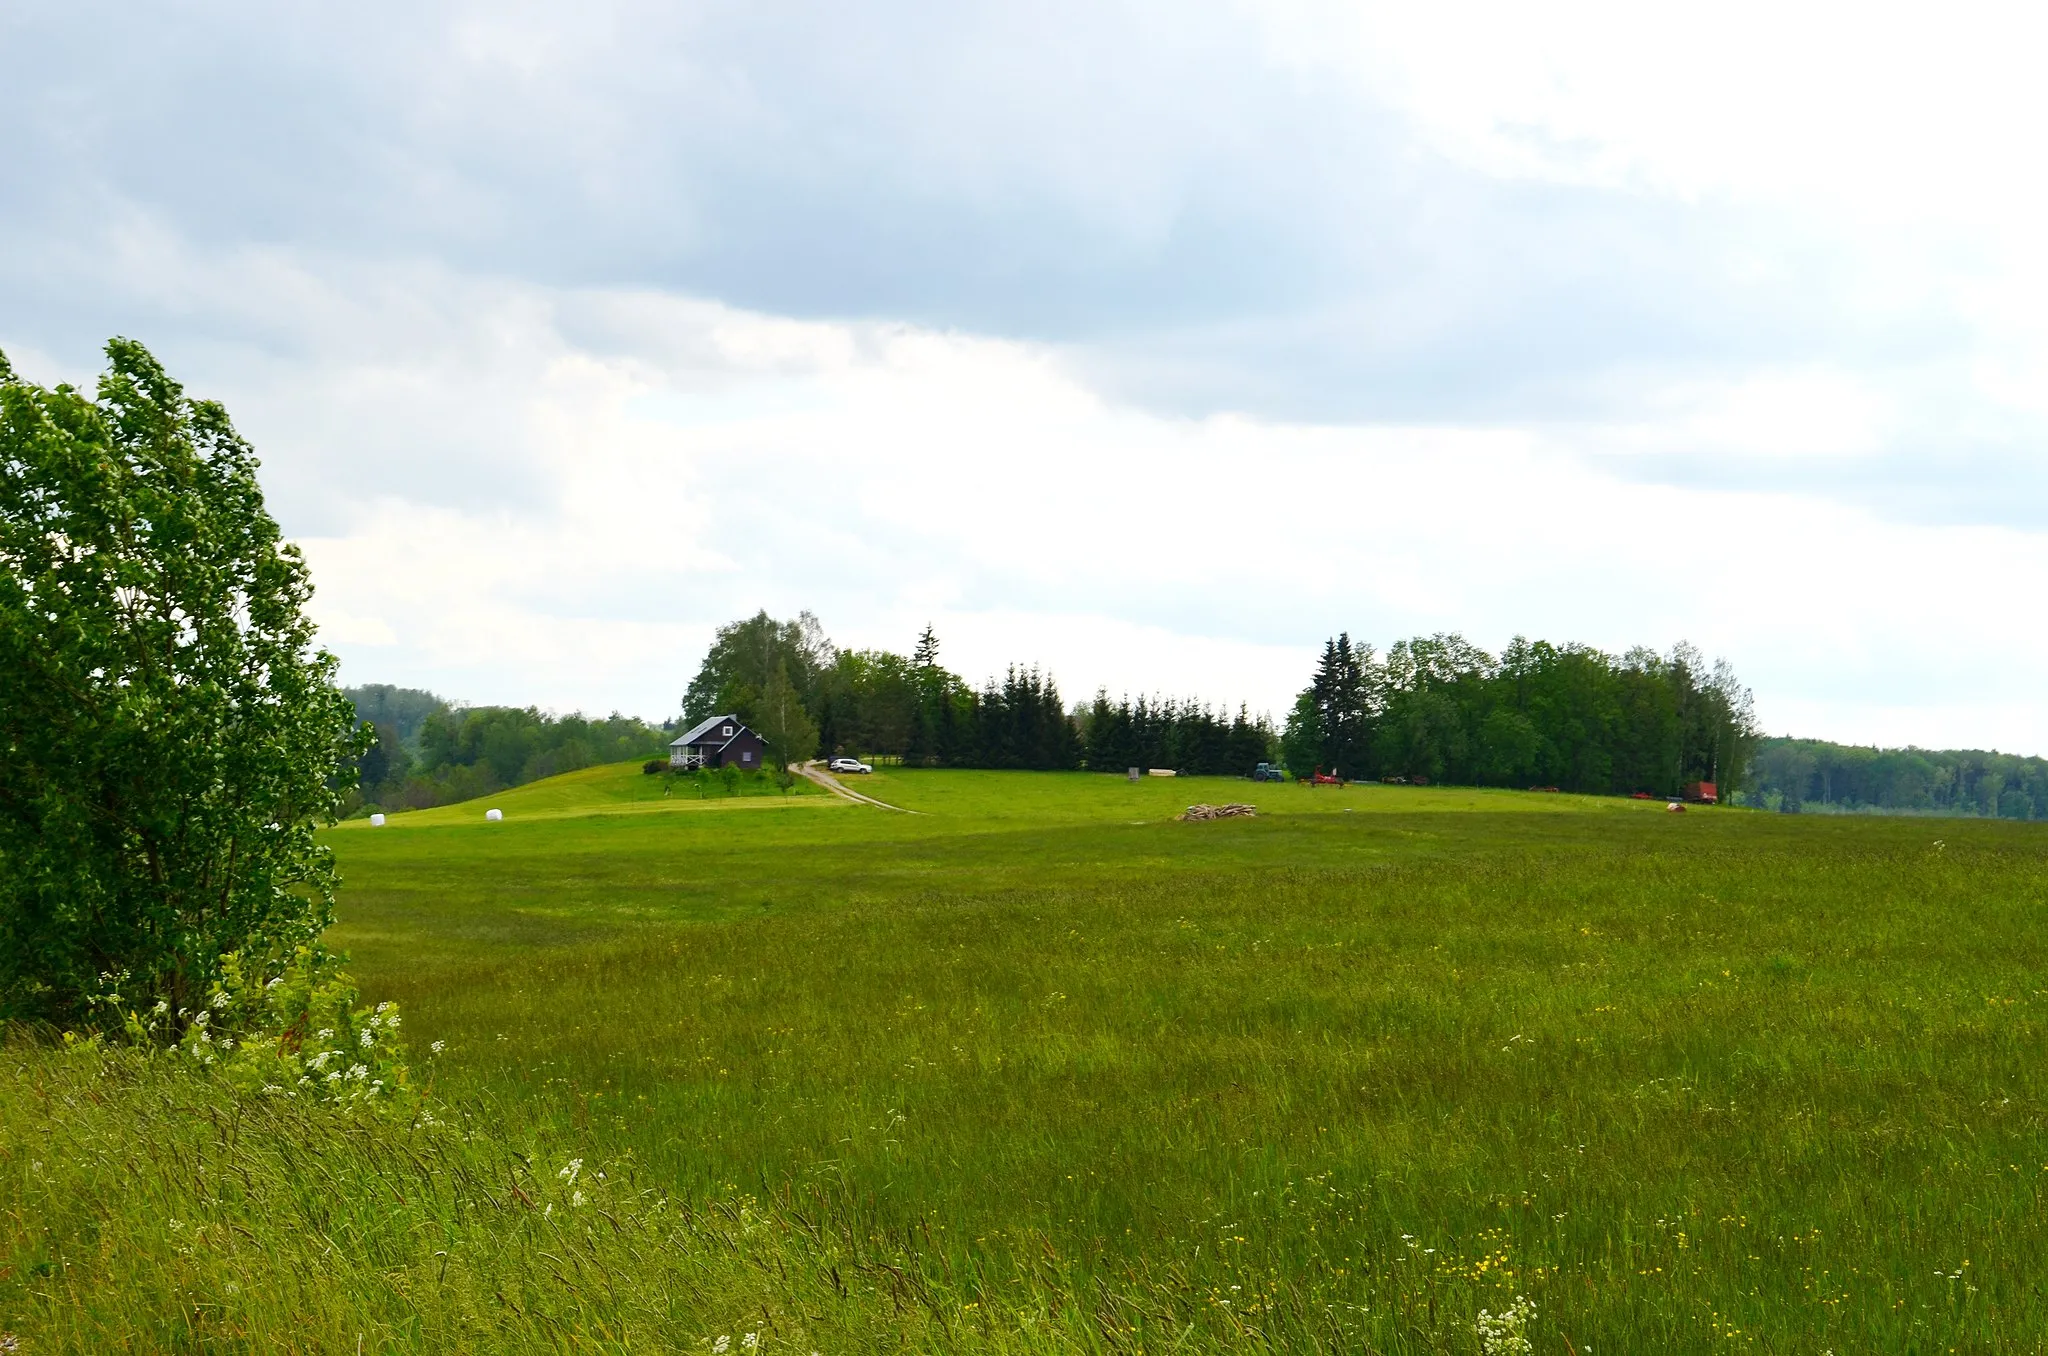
point(376, 821)
point(493, 816)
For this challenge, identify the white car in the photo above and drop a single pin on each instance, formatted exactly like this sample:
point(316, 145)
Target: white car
point(847, 765)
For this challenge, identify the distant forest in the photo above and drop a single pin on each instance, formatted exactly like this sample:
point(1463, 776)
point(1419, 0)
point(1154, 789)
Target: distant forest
point(1435, 708)
point(431, 752)
point(883, 704)
point(1439, 709)
point(1816, 777)
point(1431, 709)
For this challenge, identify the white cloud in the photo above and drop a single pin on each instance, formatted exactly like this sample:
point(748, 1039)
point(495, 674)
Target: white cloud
point(691, 463)
point(1105, 336)
point(1906, 110)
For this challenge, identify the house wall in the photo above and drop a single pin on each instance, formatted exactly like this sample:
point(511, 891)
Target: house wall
point(735, 752)
point(746, 743)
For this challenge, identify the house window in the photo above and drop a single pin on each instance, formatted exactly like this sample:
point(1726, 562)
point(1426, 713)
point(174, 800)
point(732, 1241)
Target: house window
point(747, 757)
point(727, 732)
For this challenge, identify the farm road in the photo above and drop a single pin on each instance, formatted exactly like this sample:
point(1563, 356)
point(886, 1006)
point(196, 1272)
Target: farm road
point(833, 784)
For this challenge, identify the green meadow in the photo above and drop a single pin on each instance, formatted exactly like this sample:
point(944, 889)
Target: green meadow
point(1038, 1067)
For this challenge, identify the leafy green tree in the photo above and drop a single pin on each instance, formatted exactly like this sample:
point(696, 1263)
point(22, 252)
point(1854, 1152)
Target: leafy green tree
point(169, 736)
point(1301, 744)
point(783, 722)
point(734, 675)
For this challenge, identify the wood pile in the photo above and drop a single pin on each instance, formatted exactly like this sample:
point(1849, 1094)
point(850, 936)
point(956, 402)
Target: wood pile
point(1234, 810)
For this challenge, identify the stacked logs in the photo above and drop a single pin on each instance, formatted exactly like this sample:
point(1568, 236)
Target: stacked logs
point(1234, 810)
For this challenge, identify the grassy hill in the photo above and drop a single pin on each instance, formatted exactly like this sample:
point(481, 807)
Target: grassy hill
point(1039, 1067)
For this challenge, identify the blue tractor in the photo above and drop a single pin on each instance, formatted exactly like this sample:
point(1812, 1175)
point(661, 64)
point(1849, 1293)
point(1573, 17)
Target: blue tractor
point(1268, 772)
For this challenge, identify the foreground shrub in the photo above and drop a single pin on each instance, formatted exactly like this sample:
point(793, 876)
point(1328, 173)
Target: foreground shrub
point(297, 1034)
point(169, 735)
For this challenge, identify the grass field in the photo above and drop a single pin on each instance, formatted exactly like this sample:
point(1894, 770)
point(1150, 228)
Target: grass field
point(1038, 1068)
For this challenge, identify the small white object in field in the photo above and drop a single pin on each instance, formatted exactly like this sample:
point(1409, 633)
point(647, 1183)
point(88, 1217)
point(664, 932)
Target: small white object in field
point(1674, 807)
point(493, 816)
point(376, 821)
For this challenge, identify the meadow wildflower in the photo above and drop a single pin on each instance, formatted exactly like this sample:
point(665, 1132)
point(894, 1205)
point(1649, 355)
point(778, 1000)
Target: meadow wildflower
point(1506, 1333)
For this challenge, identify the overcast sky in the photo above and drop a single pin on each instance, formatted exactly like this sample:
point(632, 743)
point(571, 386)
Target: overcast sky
point(1150, 342)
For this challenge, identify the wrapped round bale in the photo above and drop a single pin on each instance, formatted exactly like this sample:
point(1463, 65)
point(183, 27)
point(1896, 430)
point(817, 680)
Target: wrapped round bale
point(493, 816)
point(376, 821)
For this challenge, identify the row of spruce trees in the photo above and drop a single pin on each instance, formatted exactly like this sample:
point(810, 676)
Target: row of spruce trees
point(807, 697)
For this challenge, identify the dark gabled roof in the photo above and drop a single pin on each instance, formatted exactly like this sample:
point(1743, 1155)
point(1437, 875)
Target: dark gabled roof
point(696, 735)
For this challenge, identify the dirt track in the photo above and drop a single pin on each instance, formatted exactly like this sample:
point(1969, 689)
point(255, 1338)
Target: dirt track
point(837, 788)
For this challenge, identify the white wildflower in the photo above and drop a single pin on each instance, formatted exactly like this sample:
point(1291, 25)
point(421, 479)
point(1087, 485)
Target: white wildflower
point(1506, 1333)
point(752, 1341)
point(721, 1346)
point(163, 1005)
point(325, 1033)
point(220, 1002)
point(579, 1199)
point(369, 1036)
point(359, 1072)
point(437, 1047)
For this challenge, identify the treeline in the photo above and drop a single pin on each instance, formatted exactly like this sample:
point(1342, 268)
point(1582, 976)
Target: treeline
point(808, 698)
point(430, 752)
point(1440, 709)
point(1180, 735)
point(1814, 776)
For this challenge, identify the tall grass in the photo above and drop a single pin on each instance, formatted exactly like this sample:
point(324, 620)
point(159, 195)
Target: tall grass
point(1070, 1077)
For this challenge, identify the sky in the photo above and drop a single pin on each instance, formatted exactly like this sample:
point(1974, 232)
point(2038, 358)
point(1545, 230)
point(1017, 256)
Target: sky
point(1150, 343)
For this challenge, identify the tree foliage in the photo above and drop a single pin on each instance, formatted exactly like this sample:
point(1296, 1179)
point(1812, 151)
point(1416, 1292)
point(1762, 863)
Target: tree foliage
point(1815, 776)
point(1438, 708)
point(880, 703)
point(782, 721)
point(428, 752)
point(169, 736)
point(1184, 736)
point(744, 655)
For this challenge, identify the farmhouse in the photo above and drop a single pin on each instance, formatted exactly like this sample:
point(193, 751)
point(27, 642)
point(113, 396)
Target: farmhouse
point(717, 742)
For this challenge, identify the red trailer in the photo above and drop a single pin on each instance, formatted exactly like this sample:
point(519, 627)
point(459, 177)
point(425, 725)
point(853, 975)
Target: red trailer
point(1700, 793)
